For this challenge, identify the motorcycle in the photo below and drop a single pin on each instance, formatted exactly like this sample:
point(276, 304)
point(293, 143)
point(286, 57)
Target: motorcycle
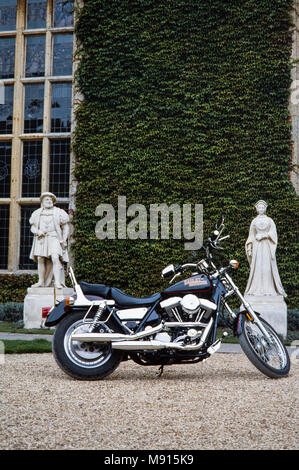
point(100, 326)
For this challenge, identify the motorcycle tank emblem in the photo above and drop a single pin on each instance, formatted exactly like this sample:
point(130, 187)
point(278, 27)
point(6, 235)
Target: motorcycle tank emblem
point(195, 282)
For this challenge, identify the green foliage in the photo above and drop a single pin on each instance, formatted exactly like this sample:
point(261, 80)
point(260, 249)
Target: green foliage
point(18, 327)
point(13, 288)
point(18, 346)
point(184, 102)
point(293, 319)
point(11, 311)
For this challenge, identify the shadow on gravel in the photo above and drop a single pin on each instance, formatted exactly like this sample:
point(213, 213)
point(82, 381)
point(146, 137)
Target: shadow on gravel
point(191, 377)
point(175, 373)
point(133, 375)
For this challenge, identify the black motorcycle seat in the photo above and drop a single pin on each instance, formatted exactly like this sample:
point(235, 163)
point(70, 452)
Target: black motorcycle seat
point(125, 300)
point(121, 299)
point(96, 289)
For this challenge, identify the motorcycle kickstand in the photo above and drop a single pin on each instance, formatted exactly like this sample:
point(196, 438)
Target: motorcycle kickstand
point(160, 371)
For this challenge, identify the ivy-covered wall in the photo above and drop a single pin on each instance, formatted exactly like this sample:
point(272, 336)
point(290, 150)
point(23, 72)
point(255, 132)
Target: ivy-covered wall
point(185, 102)
point(13, 288)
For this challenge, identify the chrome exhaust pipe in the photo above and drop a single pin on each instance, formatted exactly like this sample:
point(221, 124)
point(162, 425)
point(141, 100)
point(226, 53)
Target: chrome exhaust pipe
point(155, 345)
point(111, 337)
point(139, 345)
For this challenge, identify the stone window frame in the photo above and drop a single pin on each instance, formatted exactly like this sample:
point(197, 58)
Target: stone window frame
point(17, 137)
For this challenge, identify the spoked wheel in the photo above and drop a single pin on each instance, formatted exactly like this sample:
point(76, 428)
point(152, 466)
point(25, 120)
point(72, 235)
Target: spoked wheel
point(270, 357)
point(79, 359)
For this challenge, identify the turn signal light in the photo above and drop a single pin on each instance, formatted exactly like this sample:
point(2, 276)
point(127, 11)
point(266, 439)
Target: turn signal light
point(234, 264)
point(69, 301)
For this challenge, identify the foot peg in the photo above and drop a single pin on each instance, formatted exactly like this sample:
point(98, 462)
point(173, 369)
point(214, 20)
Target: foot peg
point(215, 346)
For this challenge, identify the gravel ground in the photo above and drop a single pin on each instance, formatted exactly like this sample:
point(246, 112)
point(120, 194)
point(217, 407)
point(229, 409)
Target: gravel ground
point(223, 403)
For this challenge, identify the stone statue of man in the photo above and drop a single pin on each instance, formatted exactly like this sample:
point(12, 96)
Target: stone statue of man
point(50, 226)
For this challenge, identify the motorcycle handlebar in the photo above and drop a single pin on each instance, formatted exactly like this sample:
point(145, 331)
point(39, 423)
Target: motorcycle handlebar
point(170, 272)
point(213, 241)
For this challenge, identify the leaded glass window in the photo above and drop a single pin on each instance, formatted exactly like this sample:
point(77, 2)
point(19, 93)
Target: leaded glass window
point(62, 54)
point(35, 56)
point(4, 227)
point(63, 206)
point(61, 107)
point(36, 14)
point(32, 168)
point(6, 111)
point(8, 15)
point(63, 13)
point(34, 108)
point(60, 167)
point(5, 167)
point(7, 57)
point(26, 238)
point(35, 117)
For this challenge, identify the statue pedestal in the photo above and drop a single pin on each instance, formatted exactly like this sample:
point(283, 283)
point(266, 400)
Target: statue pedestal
point(273, 309)
point(36, 299)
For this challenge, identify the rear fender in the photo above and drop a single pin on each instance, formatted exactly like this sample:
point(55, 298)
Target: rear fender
point(59, 311)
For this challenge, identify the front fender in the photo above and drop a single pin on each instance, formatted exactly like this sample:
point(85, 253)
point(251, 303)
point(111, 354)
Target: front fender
point(238, 324)
point(59, 311)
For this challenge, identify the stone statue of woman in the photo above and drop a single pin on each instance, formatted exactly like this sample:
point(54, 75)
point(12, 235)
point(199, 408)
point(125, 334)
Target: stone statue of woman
point(260, 248)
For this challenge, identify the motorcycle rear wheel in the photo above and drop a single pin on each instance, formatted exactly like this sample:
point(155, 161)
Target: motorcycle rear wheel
point(271, 359)
point(83, 361)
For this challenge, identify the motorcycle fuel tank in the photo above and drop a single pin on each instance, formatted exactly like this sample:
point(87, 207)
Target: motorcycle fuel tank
point(195, 284)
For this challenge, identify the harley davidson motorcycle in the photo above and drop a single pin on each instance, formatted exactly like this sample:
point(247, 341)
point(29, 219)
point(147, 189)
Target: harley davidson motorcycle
point(100, 326)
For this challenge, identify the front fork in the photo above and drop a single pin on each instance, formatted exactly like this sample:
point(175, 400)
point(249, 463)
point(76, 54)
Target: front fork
point(250, 313)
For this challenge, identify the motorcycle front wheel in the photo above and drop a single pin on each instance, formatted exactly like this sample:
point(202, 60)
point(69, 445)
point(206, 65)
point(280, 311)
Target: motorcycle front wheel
point(83, 360)
point(271, 358)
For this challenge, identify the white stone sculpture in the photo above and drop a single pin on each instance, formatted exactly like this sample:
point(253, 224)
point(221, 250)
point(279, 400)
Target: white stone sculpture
point(50, 226)
point(260, 249)
point(264, 290)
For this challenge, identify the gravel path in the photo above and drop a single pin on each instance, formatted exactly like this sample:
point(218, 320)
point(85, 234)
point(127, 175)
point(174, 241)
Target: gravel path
point(223, 403)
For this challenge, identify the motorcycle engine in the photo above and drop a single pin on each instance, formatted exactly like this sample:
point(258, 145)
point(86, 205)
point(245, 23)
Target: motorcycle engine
point(190, 304)
point(188, 308)
point(182, 308)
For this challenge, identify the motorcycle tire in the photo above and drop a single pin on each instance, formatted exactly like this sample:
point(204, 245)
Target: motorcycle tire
point(272, 360)
point(83, 361)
